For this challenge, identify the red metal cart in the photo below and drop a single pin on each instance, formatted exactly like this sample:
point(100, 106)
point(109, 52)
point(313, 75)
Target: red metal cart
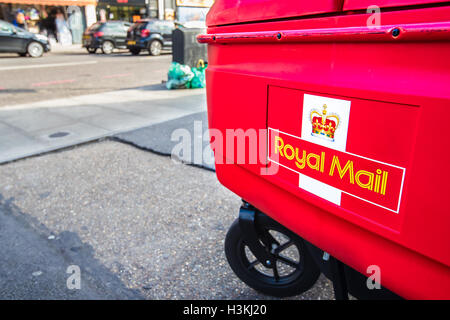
point(352, 121)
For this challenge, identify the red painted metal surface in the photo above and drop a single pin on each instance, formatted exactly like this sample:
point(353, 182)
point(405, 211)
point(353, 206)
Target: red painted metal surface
point(363, 4)
point(392, 99)
point(237, 11)
point(406, 32)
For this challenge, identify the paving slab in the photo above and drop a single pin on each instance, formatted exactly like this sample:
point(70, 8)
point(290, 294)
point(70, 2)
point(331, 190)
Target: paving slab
point(16, 144)
point(169, 137)
point(79, 111)
point(30, 129)
point(5, 129)
point(157, 111)
point(38, 120)
point(113, 120)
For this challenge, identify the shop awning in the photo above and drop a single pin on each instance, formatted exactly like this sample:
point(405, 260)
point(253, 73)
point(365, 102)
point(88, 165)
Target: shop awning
point(53, 2)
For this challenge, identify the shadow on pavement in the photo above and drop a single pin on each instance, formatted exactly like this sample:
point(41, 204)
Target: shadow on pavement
point(17, 90)
point(11, 56)
point(35, 261)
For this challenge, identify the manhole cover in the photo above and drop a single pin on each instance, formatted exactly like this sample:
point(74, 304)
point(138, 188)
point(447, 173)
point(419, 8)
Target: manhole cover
point(58, 134)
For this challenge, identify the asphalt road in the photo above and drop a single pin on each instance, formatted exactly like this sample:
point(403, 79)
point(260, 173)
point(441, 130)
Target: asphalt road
point(138, 225)
point(74, 72)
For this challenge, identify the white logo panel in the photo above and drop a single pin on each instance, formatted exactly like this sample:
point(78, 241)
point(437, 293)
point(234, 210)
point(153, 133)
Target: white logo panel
point(330, 117)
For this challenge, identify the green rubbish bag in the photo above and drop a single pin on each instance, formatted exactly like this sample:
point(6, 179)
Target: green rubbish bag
point(198, 81)
point(182, 76)
point(179, 76)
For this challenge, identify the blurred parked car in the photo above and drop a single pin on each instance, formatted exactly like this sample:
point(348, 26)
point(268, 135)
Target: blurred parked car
point(152, 35)
point(106, 36)
point(15, 39)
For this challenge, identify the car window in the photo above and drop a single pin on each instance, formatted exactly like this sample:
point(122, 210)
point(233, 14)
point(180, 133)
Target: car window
point(109, 27)
point(140, 25)
point(95, 26)
point(152, 26)
point(167, 27)
point(114, 28)
point(159, 27)
point(6, 27)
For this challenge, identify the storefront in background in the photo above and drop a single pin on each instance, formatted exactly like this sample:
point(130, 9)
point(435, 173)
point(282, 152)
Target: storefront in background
point(42, 16)
point(126, 10)
point(62, 21)
point(192, 12)
point(133, 10)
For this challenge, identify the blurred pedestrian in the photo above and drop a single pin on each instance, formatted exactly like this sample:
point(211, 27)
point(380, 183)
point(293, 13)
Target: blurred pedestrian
point(75, 23)
point(19, 20)
point(62, 29)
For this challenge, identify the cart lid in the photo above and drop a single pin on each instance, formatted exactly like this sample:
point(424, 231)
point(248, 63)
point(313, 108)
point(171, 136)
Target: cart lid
point(225, 12)
point(364, 4)
point(238, 11)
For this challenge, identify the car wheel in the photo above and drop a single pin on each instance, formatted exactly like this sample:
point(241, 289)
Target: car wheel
point(155, 48)
point(107, 47)
point(135, 52)
point(91, 50)
point(35, 49)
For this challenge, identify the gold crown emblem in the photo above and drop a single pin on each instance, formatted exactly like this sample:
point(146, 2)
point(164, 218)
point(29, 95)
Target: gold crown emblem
point(324, 126)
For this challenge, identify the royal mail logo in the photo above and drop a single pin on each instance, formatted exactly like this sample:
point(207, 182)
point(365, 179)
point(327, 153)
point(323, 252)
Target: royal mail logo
point(324, 126)
point(367, 179)
point(322, 162)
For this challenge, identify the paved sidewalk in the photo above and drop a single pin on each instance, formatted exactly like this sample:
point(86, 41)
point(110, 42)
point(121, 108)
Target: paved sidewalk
point(44, 126)
point(59, 48)
point(165, 138)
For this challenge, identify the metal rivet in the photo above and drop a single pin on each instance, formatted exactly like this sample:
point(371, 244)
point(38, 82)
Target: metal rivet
point(396, 32)
point(279, 35)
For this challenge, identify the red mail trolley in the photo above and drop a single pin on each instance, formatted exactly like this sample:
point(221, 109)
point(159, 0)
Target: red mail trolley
point(348, 105)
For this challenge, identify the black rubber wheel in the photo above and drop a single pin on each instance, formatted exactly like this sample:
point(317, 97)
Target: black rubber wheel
point(91, 50)
point(135, 52)
point(292, 273)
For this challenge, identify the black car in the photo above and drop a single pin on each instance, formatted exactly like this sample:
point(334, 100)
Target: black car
point(15, 39)
point(106, 36)
point(152, 35)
